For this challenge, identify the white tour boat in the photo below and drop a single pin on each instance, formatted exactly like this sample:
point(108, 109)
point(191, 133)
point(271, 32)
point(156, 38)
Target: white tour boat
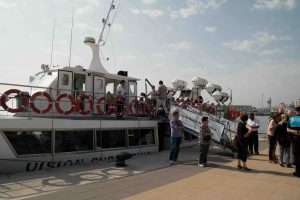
point(72, 115)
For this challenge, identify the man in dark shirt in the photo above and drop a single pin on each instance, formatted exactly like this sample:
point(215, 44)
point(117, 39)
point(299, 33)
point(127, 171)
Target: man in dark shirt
point(294, 130)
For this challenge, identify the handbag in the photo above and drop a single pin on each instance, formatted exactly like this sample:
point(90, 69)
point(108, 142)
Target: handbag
point(234, 141)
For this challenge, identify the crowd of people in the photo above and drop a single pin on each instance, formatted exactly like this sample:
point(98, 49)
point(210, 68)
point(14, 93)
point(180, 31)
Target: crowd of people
point(283, 131)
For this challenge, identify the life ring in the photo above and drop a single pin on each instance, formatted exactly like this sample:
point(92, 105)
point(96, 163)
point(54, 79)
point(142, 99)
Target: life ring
point(79, 100)
point(57, 104)
point(21, 108)
point(121, 102)
point(134, 102)
point(41, 111)
point(110, 105)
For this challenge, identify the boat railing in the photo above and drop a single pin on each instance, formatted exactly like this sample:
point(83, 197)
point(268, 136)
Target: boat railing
point(28, 100)
point(216, 111)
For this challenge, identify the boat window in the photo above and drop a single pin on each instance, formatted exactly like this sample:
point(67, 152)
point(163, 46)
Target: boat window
point(110, 86)
point(134, 137)
point(65, 79)
point(147, 136)
point(30, 142)
point(99, 84)
point(132, 89)
point(137, 137)
point(185, 93)
point(113, 138)
point(67, 141)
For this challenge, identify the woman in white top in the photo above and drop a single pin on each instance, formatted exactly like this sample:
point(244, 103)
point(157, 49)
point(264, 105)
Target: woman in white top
point(273, 121)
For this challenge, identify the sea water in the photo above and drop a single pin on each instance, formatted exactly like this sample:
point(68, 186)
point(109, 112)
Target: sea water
point(263, 120)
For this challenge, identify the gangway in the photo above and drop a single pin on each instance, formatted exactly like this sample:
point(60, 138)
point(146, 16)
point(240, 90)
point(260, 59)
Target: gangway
point(222, 129)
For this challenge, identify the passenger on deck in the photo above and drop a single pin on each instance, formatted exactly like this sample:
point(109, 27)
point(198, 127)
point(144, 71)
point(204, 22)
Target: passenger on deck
point(204, 141)
point(121, 89)
point(153, 96)
point(176, 136)
point(200, 99)
point(162, 96)
point(294, 129)
point(243, 132)
point(121, 92)
point(109, 100)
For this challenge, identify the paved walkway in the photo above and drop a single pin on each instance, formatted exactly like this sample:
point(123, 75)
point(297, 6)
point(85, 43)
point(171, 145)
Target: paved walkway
point(265, 181)
point(150, 177)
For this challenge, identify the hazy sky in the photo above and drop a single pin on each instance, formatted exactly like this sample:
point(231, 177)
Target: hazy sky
point(250, 46)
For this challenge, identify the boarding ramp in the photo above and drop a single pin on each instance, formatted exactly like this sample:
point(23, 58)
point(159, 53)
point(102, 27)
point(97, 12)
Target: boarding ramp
point(223, 130)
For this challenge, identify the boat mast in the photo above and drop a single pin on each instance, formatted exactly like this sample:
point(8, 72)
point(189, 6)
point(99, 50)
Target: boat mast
point(96, 64)
point(105, 21)
point(53, 31)
point(70, 51)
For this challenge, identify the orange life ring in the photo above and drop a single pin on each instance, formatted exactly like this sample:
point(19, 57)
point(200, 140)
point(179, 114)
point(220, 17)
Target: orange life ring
point(41, 111)
point(14, 110)
point(57, 105)
point(134, 102)
point(80, 99)
point(110, 105)
point(120, 101)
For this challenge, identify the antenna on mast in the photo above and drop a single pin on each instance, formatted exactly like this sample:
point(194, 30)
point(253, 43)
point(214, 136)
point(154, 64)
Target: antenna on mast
point(71, 39)
point(112, 6)
point(96, 64)
point(52, 43)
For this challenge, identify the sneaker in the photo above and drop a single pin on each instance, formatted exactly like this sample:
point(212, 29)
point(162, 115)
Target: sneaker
point(171, 161)
point(256, 153)
point(289, 166)
point(201, 165)
point(239, 167)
